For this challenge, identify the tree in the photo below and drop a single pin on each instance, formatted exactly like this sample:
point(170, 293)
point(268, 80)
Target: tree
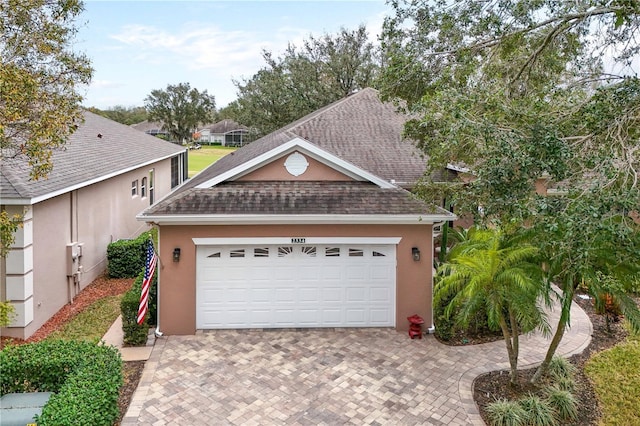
point(122, 114)
point(519, 92)
point(305, 79)
point(39, 79)
point(181, 109)
point(499, 274)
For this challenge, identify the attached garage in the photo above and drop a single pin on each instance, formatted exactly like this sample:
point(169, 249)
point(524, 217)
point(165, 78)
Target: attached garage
point(310, 226)
point(296, 283)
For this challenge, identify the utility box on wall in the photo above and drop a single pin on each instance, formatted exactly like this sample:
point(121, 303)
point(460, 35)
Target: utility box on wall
point(74, 253)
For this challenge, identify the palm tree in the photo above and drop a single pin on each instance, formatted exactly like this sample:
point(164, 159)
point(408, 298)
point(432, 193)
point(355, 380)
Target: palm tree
point(598, 253)
point(499, 274)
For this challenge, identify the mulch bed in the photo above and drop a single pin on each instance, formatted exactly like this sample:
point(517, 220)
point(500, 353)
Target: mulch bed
point(100, 288)
point(495, 385)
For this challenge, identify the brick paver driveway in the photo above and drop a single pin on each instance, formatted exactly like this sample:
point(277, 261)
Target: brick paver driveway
point(356, 376)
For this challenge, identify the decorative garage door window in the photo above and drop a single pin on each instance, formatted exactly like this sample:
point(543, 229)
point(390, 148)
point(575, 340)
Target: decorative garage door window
point(285, 251)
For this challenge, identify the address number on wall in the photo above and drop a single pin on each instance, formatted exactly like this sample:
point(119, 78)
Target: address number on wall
point(298, 240)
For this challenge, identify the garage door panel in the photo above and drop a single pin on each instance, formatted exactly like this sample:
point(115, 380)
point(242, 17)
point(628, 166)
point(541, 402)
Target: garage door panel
point(261, 295)
point(331, 272)
point(356, 317)
point(379, 294)
point(295, 286)
point(332, 294)
point(379, 316)
point(309, 295)
point(285, 295)
point(357, 272)
point(309, 317)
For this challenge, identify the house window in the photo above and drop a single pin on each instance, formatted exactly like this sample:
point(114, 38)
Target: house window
point(309, 251)
point(332, 251)
point(261, 252)
point(285, 251)
point(236, 253)
point(143, 187)
point(134, 188)
point(179, 169)
point(354, 252)
point(151, 188)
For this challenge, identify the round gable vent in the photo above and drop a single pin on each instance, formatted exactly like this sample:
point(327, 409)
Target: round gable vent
point(296, 164)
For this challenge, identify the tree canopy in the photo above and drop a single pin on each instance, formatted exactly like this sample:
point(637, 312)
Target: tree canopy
point(39, 80)
point(304, 79)
point(528, 93)
point(180, 109)
point(122, 114)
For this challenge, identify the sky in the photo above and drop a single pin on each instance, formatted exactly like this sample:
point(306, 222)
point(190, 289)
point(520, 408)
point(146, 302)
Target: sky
point(139, 46)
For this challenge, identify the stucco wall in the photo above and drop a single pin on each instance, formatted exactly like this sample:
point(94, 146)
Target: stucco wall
point(95, 216)
point(177, 295)
point(276, 171)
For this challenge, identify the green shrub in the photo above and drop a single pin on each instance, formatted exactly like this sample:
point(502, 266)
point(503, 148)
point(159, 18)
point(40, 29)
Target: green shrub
point(84, 377)
point(538, 411)
point(563, 403)
point(126, 257)
point(565, 383)
point(560, 367)
point(134, 334)
point(506, 413)
point(445, 326)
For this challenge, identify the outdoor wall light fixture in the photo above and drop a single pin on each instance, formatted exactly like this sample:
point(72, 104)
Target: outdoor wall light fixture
point(415, 252)
point(176, 254)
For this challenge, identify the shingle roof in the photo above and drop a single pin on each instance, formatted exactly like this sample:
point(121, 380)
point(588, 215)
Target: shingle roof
point(149, 126)
point(360, 129)
point(293, 198)
point(225, 126)
point(97, 149)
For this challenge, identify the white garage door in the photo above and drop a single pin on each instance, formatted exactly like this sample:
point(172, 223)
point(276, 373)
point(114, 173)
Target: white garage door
point(286, 286)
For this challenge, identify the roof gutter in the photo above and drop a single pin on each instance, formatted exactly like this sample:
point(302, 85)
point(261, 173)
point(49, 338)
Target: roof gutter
point(44, 197)
point(297, 219)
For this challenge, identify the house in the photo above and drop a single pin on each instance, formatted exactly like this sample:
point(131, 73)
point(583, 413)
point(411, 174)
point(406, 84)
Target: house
point(309, 226)
point(153, 128)
point(226, 133)
point(103, 177)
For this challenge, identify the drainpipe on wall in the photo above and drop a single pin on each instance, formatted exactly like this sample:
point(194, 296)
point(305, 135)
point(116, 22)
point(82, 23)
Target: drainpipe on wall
point(157, 331)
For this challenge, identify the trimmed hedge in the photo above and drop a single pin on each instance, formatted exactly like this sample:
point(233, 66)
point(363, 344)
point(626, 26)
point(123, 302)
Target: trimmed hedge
point(84, 377)
point(126, 257)
point(134, 334)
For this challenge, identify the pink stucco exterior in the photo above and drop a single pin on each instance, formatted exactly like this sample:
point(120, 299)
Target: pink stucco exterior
point(93, 215)
point(177, 280)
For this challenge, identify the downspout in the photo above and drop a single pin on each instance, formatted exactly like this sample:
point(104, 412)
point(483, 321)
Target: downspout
point(157, 331)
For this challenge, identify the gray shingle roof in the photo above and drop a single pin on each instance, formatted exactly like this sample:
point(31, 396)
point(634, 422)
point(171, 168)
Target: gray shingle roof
point(293, 198)
point(149, 126)
point(360, 129)
point(98, 148)
point(225, 126)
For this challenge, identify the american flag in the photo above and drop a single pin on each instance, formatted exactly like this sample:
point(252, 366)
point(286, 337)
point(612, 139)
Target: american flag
point(149, 269)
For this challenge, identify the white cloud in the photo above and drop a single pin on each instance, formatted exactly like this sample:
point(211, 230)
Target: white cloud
point(106, 84)
point(196, 48)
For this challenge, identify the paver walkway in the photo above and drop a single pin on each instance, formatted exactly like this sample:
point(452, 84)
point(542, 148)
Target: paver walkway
point(310, 377)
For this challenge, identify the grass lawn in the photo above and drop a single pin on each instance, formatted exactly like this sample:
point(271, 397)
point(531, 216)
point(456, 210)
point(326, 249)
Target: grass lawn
point(92, 323)
point(616, 377)
point(199, 159)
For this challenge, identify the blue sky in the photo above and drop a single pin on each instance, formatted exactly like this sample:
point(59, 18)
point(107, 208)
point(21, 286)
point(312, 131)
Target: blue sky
point(138, 46)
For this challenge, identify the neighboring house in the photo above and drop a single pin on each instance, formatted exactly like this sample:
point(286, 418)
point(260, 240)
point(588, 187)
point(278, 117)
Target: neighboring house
point(104, 176)
point(153, 128)
point(309, 226)
point(226, 133)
